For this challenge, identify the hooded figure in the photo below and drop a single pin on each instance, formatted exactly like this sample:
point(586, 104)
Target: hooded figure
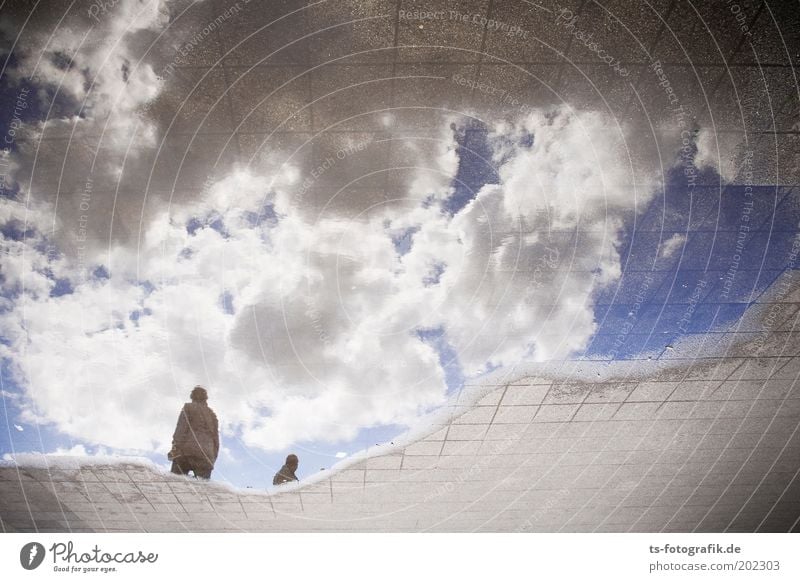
point(286, 472)
point(195, 444)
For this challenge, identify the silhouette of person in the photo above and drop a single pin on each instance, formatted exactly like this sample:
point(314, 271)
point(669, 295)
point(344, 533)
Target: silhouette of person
point(286, 473)
point(195, 444)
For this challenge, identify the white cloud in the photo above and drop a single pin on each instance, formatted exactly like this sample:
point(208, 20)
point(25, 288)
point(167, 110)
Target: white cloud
point(127, 353)
point(719, 151)
point(532, 250)
point(672, 244)
point(98, 71)
point(74, 451)
point(91, 60)
point(306, 329)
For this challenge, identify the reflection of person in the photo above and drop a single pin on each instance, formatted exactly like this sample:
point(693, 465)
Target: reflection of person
point(286, 472)
point(195, 444)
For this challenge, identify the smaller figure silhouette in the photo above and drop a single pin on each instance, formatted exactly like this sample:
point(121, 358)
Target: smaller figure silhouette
point(195, 444)
point(286, 473)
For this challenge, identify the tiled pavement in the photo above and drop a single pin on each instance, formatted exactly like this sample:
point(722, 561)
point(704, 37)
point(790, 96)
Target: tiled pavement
point(709, 444)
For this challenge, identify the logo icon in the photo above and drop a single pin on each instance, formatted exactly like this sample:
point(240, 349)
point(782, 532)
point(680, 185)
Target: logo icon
point(31, 555)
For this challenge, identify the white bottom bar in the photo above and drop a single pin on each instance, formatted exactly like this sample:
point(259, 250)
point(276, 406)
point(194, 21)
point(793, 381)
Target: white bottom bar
point(401, 557)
